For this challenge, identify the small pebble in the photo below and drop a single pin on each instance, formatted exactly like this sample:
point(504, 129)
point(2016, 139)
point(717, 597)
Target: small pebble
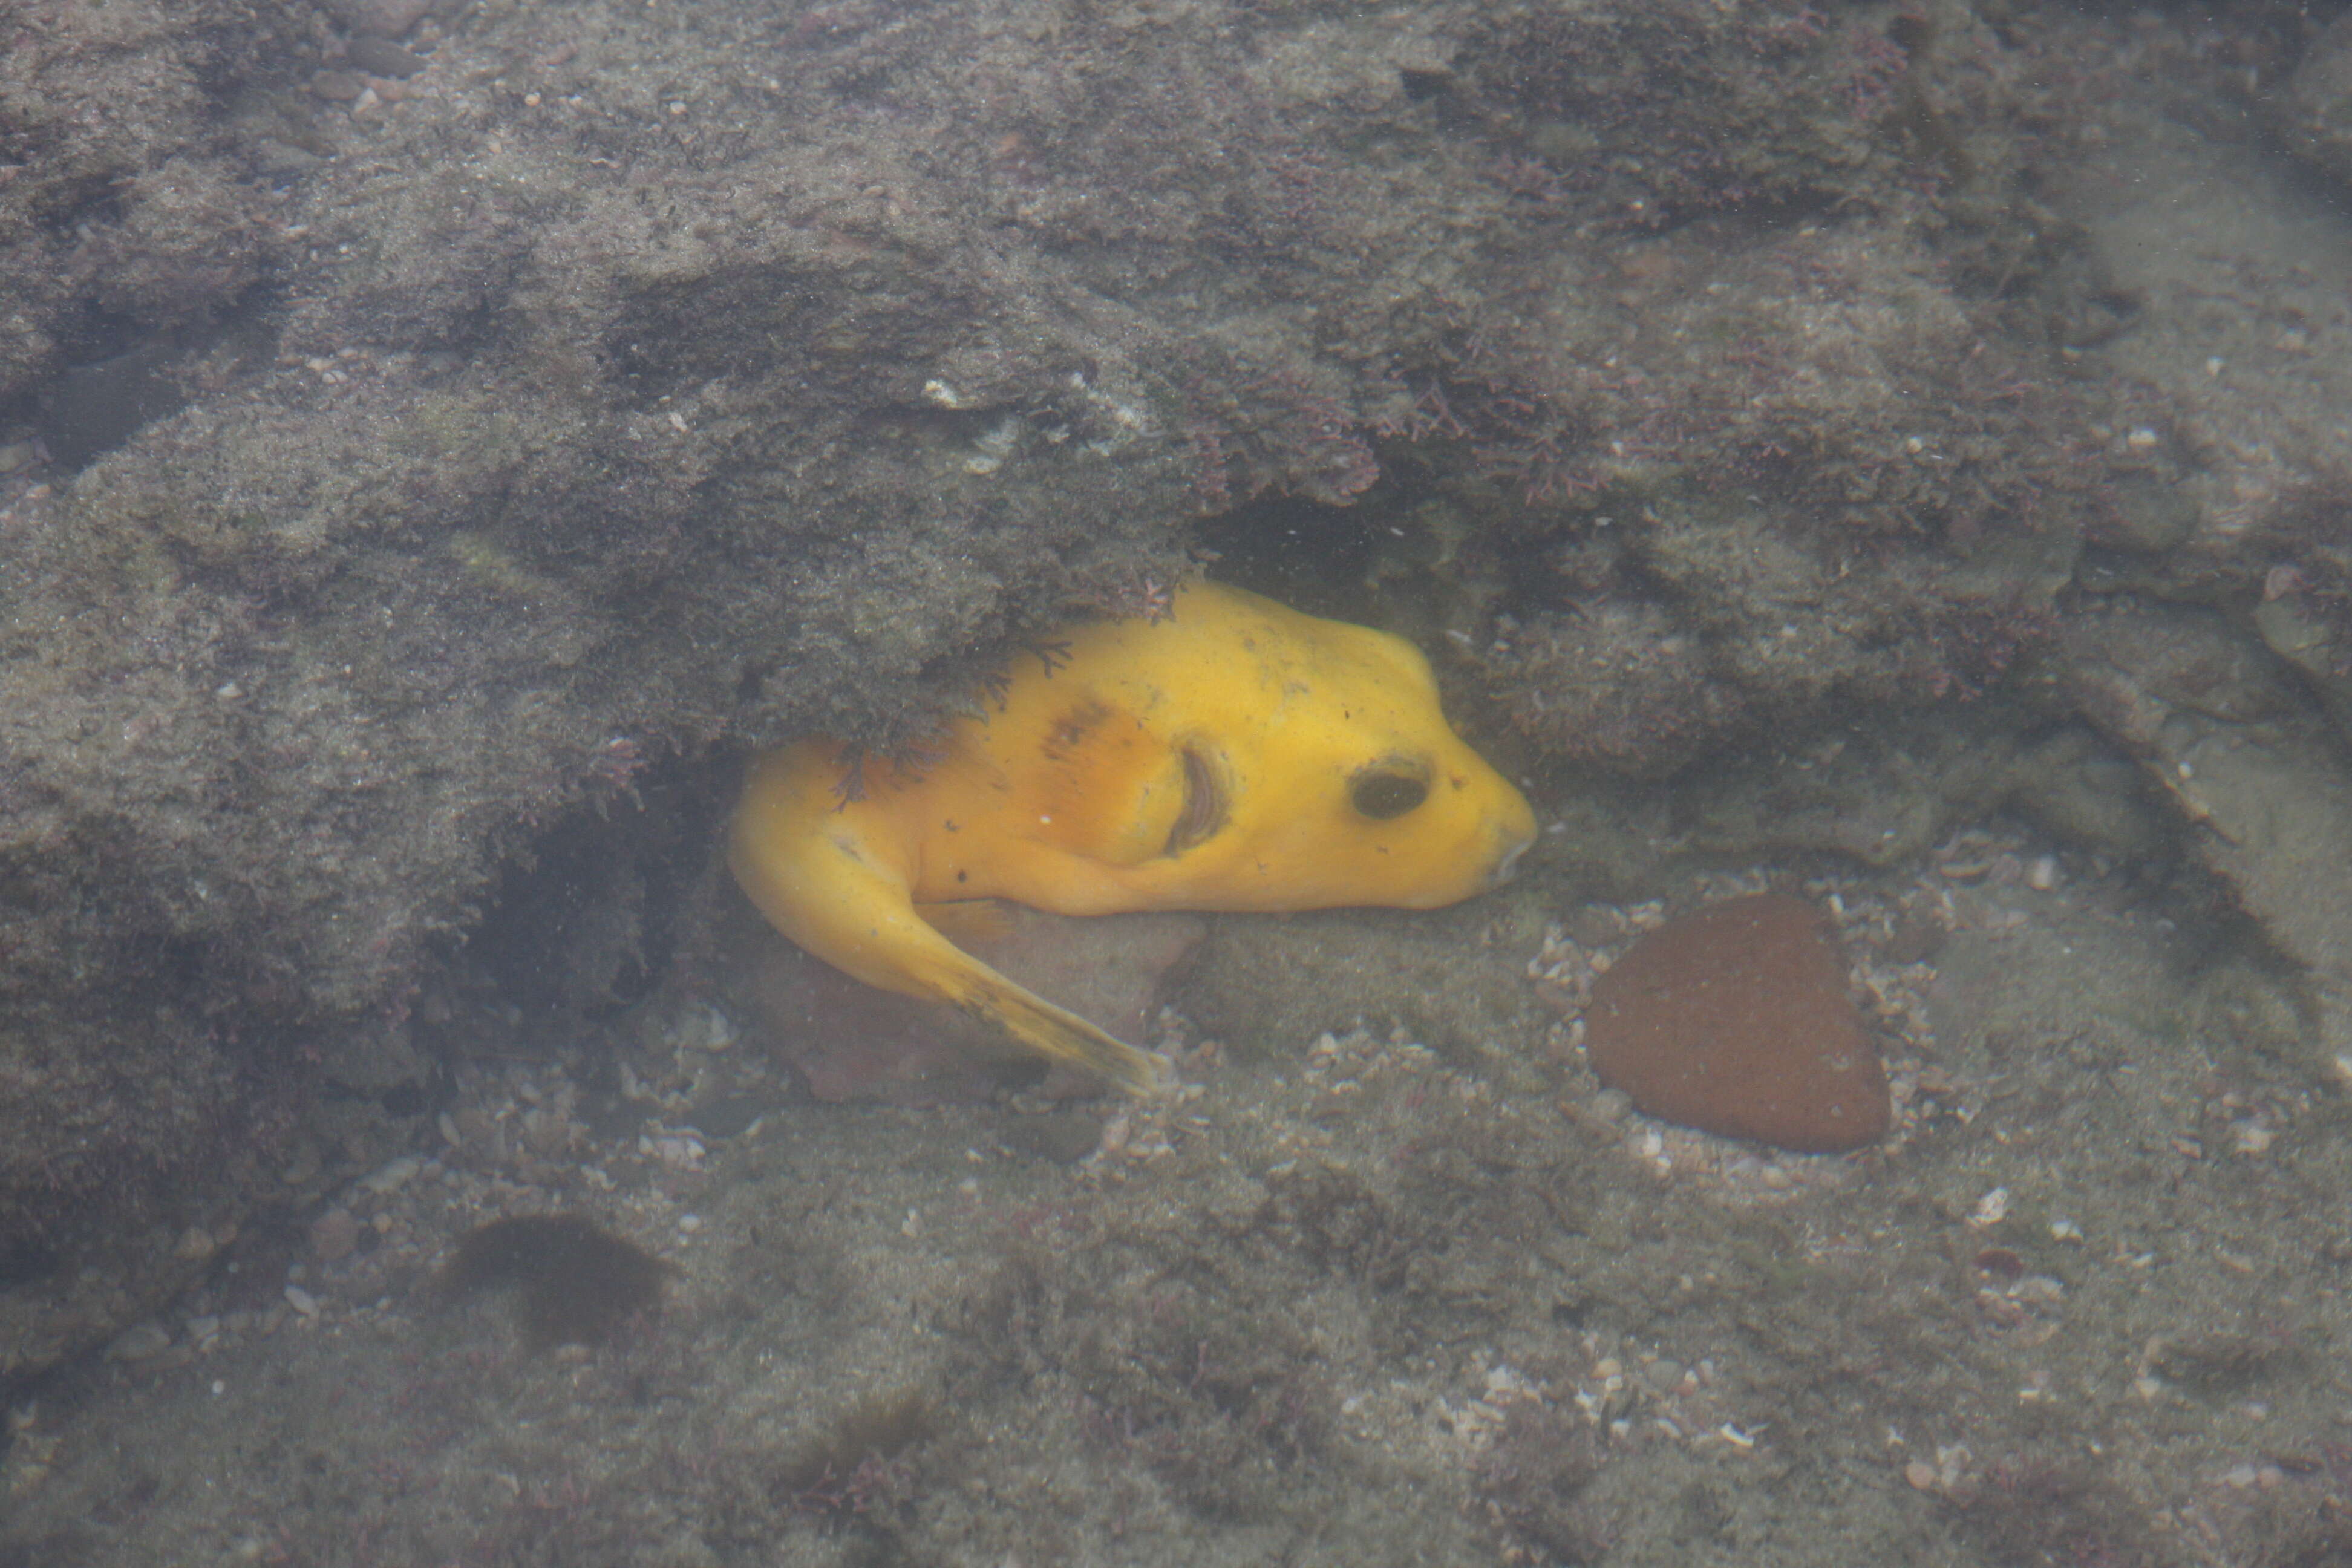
point(381, 57)
point(340, 87)
point(142, 1341)
point(547, 1133)
point(1114, 1134)
point(392, 1176)
point(303, 1167)
point(333, 1234)
point(680, 1151)
point(304, 1304)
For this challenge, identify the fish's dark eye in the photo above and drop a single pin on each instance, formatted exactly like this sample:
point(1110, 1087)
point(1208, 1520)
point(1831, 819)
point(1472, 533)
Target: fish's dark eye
point(1384, 796)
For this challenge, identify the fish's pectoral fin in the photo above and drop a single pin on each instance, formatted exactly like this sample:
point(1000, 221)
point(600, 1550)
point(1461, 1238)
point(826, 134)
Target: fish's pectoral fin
point(1061, 1036)
point(1207, 808)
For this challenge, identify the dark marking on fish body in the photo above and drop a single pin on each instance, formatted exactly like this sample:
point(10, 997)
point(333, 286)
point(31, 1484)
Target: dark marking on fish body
point(1070, 731)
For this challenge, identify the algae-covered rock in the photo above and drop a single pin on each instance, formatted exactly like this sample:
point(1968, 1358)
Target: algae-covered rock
point(126, 205)
point(502, 410)
point(2261, 784)
point(2222, 438)
point(1887, 795)
point(2314, 115)
point(2309, 625)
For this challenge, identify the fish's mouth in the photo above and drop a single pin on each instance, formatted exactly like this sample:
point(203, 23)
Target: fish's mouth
point(1509, 865)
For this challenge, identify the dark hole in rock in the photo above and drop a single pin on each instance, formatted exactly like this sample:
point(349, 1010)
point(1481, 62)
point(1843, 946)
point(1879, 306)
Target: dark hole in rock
point(24, 1263)
point(730, 1116)
point(573, 1281)
point(1063, 1137)
point(91, 409)
point(405, 1099)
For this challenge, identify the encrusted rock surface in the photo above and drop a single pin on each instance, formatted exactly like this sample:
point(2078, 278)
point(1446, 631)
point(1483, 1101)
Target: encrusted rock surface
point(2314, 115)
point(424, 429)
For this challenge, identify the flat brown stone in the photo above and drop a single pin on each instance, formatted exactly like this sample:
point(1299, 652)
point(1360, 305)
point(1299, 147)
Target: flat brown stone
point(1735, 1020)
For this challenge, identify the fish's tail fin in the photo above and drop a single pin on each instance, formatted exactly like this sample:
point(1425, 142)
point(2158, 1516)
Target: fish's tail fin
point(1060, 1034)
point(839, 884)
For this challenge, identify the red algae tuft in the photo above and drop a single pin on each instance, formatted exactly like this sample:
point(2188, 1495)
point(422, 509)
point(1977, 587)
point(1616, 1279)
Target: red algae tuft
point(1735, 1020)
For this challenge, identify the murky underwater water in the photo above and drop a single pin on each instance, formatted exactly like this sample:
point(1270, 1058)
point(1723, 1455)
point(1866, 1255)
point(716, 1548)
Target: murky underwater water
point(1392, 1276)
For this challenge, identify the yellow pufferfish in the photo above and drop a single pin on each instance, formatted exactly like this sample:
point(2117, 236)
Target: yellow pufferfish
point(1234, 755)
